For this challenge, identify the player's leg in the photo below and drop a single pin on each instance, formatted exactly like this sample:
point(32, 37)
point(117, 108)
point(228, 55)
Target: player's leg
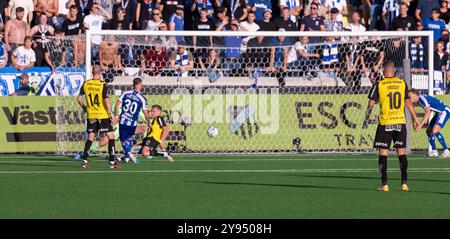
point(440, 123)
point(382, 142)
point(106, 126)
point(92, 128)
point(432, 136)
point(400, 145)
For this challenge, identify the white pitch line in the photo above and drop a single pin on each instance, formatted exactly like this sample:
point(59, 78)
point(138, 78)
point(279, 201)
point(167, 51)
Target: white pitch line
point(348, 170)
point(207, 160)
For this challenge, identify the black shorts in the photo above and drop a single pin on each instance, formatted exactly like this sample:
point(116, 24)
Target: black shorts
point(99, 125)
point(150, 142)
point(388, 133)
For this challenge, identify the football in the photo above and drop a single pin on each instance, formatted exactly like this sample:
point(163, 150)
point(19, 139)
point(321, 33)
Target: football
point(213, 132)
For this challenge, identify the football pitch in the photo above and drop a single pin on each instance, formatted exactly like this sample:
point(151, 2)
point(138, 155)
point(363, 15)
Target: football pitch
point(223, 186)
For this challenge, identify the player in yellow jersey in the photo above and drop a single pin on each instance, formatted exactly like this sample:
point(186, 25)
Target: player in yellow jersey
point(156, 134)
point(98, 108)
point(392, 95)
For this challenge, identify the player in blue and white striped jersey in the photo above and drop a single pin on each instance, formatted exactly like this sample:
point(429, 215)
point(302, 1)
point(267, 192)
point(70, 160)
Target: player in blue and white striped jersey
point(132, 102)
point(442, 113)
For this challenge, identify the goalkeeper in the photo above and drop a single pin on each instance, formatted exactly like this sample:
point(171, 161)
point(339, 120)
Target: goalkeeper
point(156, 134)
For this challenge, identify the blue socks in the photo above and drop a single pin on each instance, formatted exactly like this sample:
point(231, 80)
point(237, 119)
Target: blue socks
point(127, 146)
point(441, 140)
point(431, 140)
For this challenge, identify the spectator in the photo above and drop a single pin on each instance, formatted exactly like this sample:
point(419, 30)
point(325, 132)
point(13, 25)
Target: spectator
point(108, 6)
point(16, 30)
point(313, 22)
point(294, 7)
point(434, 24)
point(284, 21)
point(72, 25)
point(211, 64)
point(266, 24)
point(278, 57)
point(120, 21)
point(144, 9)
point(445, 37)
point(169, 42)
point(302, 57)
point(395, 52)
point(250, 25)
point(257, 54)
point(232, 52)
point(340, 5)
point(41, 33)
point(330, 57)
point(79, 52)
point(445, 15)
point(84, 6)
point(59, 56)
point(259, 7)
point(3, 52)
point(109, 59)
point(373, 56)
point(48, 7)
point(353, 59)
point(129, 6)
point(373, 11)
point(390, 10)
point(26, 5)
point(181, 61)
point(156, 59)
point(25, 89)
point(440, 57)
point(333, 24)
point(417, 54)
point(153, 25)
point(321, 9)
point(424, 9)
point(355, 25)
point(61, 15)
point(24, 57)
point(199, 5)
point(404, 21)
point(169, 8)
point(94, 22)
point(3, 10)
point(130, 52)
point(203, 24)
point(176, 22)
point(236, 9)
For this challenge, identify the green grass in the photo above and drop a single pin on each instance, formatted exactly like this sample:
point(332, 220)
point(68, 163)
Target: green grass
point(222, 186)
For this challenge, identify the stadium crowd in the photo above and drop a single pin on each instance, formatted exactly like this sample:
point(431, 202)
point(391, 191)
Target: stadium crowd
point(29, 27)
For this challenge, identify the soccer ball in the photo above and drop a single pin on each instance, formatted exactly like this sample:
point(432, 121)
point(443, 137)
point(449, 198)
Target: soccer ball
point(213, 131)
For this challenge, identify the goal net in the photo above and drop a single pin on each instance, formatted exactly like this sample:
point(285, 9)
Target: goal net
point(264, 91)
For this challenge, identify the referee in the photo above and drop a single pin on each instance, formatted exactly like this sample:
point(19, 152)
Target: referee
point(392, 95)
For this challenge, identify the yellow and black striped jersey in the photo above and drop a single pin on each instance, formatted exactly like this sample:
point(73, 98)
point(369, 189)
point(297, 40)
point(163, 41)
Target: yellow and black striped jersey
point(156, 130)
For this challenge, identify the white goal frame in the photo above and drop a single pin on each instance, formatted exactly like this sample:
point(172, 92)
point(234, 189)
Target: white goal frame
point(428, 34)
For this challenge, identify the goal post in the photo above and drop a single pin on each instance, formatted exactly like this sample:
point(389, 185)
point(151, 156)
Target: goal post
point(306, 105)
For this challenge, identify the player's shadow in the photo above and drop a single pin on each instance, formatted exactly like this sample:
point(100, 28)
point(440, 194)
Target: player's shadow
point(307, 186)
point(367, 178)
point(283, 185)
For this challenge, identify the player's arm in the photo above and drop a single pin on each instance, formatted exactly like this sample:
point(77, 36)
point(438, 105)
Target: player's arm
point(107, 103)
point(412, 111)
point(116, 109)
point(425, 118)
point(80, 98)
point(147, 116)
point(165, 133)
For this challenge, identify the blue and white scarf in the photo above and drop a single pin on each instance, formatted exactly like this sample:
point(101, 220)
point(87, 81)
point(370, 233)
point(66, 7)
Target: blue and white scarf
point(392, 8)
point(330, 53)
point(417, 53)
point(182, 60)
